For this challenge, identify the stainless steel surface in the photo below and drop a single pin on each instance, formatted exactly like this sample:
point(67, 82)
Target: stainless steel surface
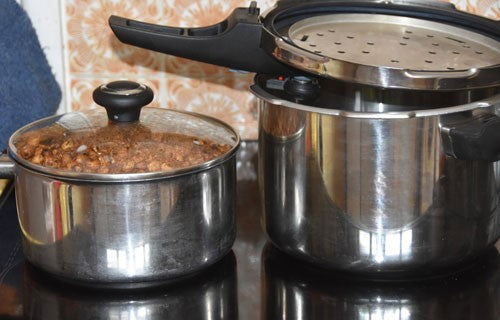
point(6, 167)
point(122, 232)
point(388, 51)
point(373, 194)
point(395, 42)
point(363, 102)
point(155, 119)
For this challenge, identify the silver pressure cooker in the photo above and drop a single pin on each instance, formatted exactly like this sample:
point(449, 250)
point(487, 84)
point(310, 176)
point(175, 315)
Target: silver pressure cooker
point(379, 128)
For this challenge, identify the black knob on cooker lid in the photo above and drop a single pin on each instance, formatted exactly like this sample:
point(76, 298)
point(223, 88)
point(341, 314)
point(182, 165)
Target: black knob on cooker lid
point(123, 100)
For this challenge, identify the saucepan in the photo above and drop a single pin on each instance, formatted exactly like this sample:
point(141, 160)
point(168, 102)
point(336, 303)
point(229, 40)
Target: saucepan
point(124, 195)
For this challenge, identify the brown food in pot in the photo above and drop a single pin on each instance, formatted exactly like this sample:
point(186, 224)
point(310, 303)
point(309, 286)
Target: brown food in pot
point(115, 149)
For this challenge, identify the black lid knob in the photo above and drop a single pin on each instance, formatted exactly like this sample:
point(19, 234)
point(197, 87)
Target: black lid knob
point(123, 100)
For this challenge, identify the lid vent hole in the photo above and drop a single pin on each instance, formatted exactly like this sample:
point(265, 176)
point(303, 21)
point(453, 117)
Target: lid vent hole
point(453, 39)
point(408, 31)
point(432, 52)
point(435, 44)
point(320, 34)
point(456, 52)
point(406, 38)
point(304, 37)
point(450, 68)
point(340, 51)
point(331, 30)
point(403, 43)
point(395, 61)
point(366, 52)
point(479, 52)
point(430, 36)
point(428, 61)
point(338, 43)
point(370, 43)
point(350, 37)
point(312, 45)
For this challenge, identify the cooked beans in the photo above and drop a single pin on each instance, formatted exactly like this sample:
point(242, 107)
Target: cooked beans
point(115, 149)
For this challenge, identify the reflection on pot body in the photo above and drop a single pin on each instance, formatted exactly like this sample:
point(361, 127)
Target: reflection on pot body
point(210, 295)
point(138, 231)
point(374, 194)
point(295, 291)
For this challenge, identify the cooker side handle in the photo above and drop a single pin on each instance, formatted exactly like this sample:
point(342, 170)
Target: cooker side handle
point(6, 167)
point(477, 139)
point(234, 42)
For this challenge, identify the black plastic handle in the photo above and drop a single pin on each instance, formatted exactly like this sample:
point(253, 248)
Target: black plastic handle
point(234, 42)
point(478, 139)
point(123, 100)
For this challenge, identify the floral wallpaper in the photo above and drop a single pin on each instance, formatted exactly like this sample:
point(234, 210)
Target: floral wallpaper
point(93, 55)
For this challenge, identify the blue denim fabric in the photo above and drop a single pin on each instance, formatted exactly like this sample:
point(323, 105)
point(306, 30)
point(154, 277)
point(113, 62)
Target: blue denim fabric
point(28, 89)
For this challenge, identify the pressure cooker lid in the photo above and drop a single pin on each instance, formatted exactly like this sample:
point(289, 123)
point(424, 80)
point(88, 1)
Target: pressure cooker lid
point(395, 42)
point(387, 45)
point(121, 140)
point(400, 44)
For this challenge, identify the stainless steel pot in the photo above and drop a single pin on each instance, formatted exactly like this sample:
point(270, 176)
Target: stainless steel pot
point(379, 130)
point(127, 227)
point(377, 191)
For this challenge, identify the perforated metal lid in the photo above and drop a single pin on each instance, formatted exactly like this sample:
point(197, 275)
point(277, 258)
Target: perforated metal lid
point(391, 51)
point(390, 41)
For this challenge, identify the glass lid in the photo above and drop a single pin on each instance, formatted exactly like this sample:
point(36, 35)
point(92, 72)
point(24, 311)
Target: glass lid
point(123, 139)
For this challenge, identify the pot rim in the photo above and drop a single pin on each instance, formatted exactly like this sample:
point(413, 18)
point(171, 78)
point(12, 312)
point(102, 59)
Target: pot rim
point(261, 93)
point(123, 177)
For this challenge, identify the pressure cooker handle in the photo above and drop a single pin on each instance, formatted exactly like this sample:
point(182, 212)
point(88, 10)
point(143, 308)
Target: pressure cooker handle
point(234, 42)
point(476, 139)
point(123, 100)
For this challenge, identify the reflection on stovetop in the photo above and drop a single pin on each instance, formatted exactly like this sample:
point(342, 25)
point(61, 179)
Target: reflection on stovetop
point(210, 295)
point(256, 281)
point(294, 290)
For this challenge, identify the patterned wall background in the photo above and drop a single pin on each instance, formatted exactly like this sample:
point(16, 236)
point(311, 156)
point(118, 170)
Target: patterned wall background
point(93, 55)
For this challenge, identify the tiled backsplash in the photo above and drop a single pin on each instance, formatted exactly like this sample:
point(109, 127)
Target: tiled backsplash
point(86, 53)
